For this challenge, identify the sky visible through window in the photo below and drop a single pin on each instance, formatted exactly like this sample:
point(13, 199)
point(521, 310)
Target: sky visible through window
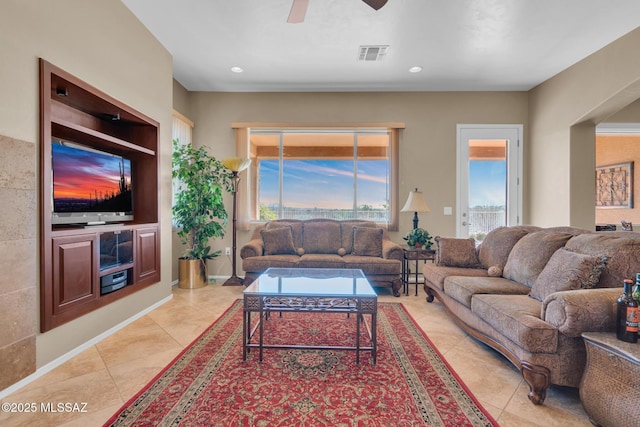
point(325, 184)
point(487, 183)
point(328, 184)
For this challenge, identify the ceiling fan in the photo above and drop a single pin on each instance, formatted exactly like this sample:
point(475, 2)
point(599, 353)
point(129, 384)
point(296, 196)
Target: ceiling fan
point(299, 9)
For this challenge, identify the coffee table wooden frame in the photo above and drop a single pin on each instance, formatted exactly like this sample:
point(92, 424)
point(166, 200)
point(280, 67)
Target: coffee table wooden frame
point(265, 303)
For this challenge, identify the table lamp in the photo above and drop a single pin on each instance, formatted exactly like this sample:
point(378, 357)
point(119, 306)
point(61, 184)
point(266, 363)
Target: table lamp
point(415, 203)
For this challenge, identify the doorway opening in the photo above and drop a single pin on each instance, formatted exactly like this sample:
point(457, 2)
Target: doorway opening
point(489, 178)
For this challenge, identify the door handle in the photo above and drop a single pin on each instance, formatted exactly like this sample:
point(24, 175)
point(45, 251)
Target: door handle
point(465, 223)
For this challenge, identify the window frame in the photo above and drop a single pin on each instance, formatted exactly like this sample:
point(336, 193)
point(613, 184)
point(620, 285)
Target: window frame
point(248, 209)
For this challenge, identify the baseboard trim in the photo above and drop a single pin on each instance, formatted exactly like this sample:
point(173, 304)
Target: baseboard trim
point(211, 279)
point(67, 356)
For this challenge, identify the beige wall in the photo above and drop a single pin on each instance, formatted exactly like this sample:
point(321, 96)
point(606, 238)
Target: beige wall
point(427, 147)
point(630, 114)
point(563, 112)
point(102, 43)
point(181, 99)
point(615, 149)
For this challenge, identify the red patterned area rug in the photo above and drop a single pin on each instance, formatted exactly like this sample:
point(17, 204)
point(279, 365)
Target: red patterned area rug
point(208, 384)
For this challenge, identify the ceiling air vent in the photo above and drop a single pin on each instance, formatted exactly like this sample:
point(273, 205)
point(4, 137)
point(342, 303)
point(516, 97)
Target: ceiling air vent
point(372, 53)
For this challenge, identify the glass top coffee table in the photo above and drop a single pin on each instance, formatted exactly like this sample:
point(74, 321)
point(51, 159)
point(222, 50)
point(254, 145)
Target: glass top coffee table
point(310, 290)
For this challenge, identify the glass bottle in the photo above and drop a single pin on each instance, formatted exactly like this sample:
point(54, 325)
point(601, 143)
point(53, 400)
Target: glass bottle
point(627, 315)
point(636, 289)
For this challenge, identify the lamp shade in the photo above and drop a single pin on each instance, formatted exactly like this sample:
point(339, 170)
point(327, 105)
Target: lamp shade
point(236, 164)
point(415, 202)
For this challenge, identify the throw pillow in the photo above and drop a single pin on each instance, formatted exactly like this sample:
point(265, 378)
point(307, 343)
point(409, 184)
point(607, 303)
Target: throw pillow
point(296, 229)
point(454, 252)
point(529, 256)
point(567, 271)
point(346, 232)
point(278, 241)
point(623, 255)
point(367, 241)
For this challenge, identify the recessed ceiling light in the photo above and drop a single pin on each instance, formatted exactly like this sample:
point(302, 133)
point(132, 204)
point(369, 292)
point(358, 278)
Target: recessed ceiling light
point(415, 69)
point(237, 69)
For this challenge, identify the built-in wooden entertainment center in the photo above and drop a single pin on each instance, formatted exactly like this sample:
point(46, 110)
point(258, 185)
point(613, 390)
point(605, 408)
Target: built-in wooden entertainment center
point(76, 259)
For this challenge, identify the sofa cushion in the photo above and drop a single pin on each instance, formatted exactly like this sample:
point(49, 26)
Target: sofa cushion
point(261, 263)
point(436, 275)
point(370, 265)
point(346, 232)
point(296, 229)
point(321, 261)
point(367, 241)
point(529, 256)
point(494, 249)
point(278, 241)
point(453, 252)
point(623, 253)
point(321, 237)
point(462, 289)
point(566, 271)
point(574, 231)
point(517, 317)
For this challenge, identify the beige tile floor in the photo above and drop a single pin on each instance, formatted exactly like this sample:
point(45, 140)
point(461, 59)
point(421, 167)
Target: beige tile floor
point(109, 373)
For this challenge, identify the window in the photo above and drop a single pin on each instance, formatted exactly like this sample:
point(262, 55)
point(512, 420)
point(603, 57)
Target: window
point(181, 130)
point(323, 173)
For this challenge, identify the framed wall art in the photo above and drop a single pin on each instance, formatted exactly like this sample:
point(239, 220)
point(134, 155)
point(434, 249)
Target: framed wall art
point(614, 186)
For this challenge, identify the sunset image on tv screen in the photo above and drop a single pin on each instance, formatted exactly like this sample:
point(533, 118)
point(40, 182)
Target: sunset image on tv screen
point(89, 180)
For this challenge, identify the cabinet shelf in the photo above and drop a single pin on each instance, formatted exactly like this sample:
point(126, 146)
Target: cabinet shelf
point(98, 139)
point(115, 269)
point(70, 261)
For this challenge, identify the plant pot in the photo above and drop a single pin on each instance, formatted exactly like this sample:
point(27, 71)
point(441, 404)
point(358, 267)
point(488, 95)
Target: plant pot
point(192, 273)
point(418, 245)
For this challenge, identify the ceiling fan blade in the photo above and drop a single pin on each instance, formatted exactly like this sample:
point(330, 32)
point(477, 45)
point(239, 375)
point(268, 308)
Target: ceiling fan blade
point(376, 4)
point(298, 11)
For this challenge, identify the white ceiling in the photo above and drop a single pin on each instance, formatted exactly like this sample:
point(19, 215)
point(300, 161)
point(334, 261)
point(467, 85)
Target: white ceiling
point(461, 44)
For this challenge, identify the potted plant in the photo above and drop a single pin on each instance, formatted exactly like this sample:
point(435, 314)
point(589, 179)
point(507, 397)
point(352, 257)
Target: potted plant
point(199, 211)
point(418, 237)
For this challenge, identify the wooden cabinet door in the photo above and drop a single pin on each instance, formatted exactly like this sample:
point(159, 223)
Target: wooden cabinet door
point(75, 271)
point(147, 259)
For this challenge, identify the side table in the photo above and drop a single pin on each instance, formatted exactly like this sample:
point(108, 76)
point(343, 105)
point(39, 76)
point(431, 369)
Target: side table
point(609, 388)
point(416, 255)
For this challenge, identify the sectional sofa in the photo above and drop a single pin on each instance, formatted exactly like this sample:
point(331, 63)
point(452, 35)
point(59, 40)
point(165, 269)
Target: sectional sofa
point(530, 292)
point(324, 243)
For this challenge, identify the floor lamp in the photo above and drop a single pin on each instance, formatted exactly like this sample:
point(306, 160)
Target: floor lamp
point(235, 165)
point(415, 203)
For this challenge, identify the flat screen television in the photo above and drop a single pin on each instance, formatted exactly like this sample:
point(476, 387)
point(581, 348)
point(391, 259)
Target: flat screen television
point(90, 186)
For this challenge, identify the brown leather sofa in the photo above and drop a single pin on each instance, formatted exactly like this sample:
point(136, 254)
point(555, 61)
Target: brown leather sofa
point(324, 243)
point(529, 293)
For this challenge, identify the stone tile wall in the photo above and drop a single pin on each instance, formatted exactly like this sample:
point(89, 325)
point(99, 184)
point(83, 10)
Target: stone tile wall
point(18, 260)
